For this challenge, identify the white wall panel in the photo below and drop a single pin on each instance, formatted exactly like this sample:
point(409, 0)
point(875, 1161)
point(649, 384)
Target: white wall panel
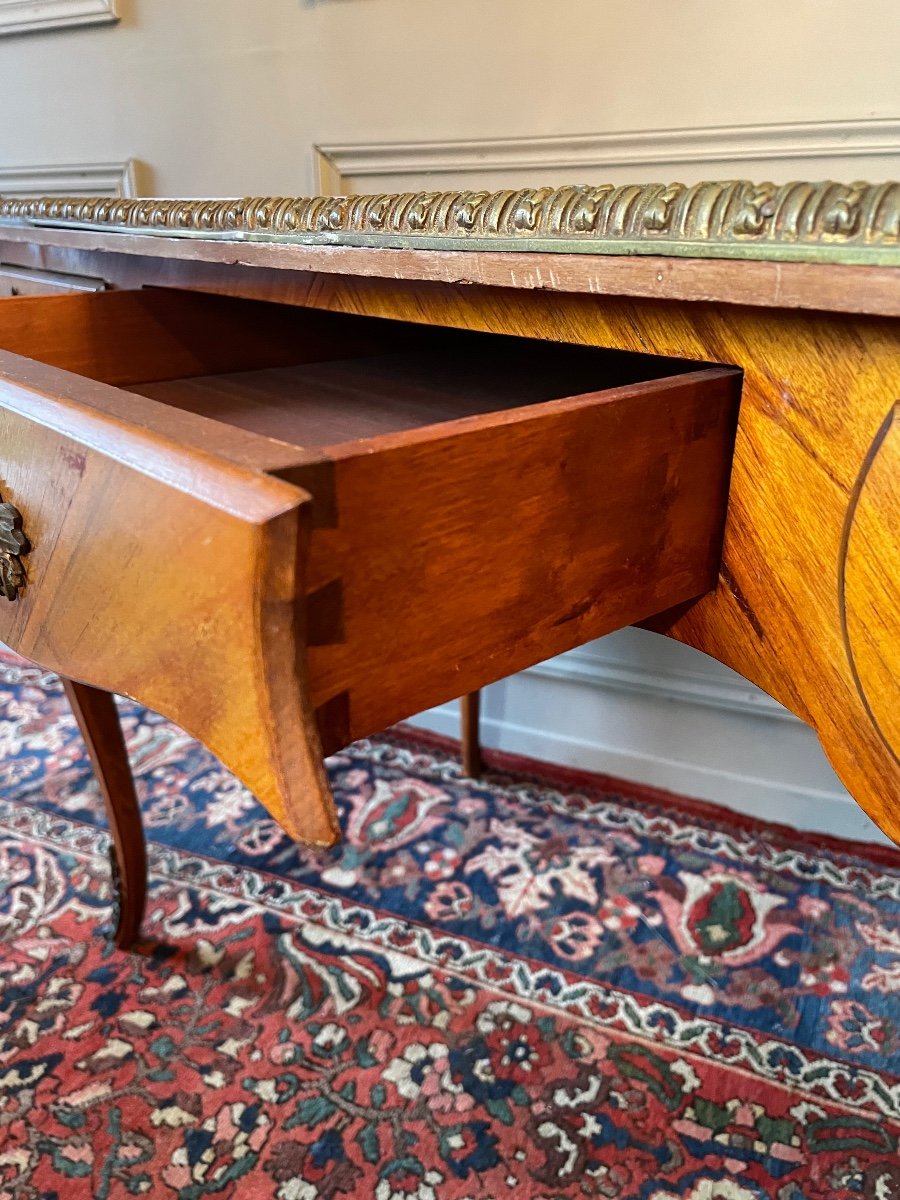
point(779, 151)
point(70, 179)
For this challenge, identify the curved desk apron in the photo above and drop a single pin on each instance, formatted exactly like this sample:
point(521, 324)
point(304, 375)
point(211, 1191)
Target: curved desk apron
point(171, 529)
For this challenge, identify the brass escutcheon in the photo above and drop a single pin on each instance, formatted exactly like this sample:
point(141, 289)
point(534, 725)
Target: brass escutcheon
point(13, 543)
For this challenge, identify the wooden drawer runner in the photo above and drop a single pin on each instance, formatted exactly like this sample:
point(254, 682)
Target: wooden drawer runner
point(285, 529)
point(25, 281)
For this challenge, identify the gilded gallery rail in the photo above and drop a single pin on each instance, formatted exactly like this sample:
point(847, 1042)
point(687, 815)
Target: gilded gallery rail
point(824, 222)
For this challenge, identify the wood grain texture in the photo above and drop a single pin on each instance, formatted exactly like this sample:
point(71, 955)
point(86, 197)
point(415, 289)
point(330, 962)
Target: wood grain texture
point(326, 403)
point(868, 581)
point(167, 574)
point(192, 262)
point(593, 511)
point(132, 336)
point(98, 720)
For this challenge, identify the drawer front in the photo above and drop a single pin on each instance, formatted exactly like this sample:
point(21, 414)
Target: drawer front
point(160, 571)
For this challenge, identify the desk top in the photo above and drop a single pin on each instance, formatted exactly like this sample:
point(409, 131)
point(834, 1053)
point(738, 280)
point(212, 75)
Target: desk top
point(826, 245)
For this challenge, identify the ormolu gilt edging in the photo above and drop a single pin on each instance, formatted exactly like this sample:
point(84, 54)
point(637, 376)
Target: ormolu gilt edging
point(13, 544)
point(834, 222)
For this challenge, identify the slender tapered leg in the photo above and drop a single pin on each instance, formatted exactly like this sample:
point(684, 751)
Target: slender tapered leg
point(470, 706)
point(98, 720)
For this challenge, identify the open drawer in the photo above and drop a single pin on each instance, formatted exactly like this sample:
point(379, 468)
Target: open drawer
point(286, 529)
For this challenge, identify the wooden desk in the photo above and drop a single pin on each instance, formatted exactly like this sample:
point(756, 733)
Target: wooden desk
point(259, 507)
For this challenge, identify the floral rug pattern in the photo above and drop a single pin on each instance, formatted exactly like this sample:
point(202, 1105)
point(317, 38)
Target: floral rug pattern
point(533, 986)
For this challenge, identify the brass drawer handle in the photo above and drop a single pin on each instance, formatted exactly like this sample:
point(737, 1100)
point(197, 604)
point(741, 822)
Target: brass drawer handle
point(13, 543)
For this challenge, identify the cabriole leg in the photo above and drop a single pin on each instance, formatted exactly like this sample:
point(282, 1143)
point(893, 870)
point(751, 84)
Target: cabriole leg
point(98, 720)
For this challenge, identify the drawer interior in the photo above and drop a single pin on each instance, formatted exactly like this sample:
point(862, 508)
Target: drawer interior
point(314, 379)
point(321, 405)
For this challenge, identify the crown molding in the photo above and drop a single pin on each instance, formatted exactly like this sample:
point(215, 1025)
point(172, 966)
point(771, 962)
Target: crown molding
point(38, 16)
point(115, 179)
point(540, 158)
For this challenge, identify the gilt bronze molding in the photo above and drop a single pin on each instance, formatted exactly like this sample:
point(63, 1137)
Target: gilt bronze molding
point(818, 222)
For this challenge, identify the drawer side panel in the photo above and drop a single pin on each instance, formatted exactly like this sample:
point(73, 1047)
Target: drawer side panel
point(462, 555)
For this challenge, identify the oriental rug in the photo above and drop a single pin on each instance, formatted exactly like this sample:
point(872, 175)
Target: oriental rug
point(540, 985)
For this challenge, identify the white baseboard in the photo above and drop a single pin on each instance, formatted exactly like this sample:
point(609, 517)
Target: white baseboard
point(635, 661)
point(627, 706)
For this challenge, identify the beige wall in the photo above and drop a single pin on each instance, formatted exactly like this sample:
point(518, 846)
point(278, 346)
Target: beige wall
point(229, 96)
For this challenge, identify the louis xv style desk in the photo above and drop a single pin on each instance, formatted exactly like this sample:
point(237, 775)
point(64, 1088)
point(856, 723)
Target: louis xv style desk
point(290, 470)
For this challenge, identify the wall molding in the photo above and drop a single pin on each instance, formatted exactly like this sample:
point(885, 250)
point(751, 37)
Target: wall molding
point(70, 179)
point(596, 668)
point(605, 708)
point(574, 154)
point(34, 16)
